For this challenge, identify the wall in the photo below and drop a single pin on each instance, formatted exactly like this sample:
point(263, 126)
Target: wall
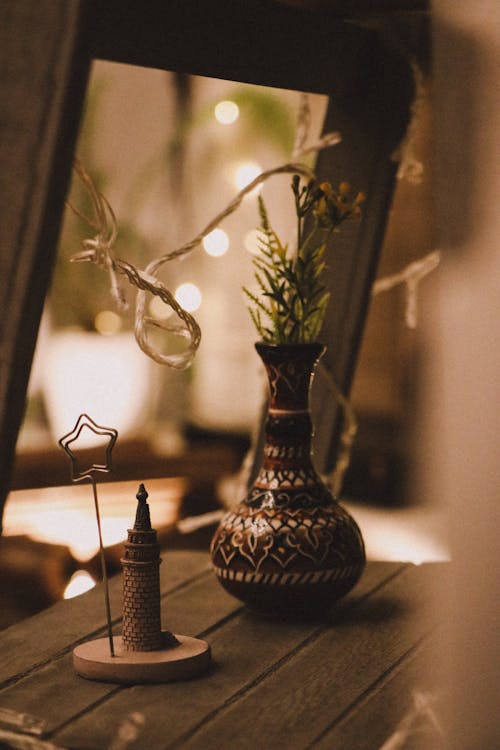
point(463, 391)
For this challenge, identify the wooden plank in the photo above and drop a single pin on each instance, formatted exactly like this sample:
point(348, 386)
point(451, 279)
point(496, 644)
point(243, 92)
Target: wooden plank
point(43, 74)
point(372, 116)
point(305, 694)
point(260, 42)
point(374, 719)
point(58, 694)
point(244, 650)
point(38, 639)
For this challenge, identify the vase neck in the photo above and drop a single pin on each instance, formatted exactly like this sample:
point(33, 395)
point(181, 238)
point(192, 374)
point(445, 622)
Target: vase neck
point(288, 428)
point(289, 369)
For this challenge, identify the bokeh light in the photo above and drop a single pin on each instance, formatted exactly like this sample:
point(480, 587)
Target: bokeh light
point(79, 583)
point(107, 322)
point(216, 243)
point(251, 241)
point(226, 112)
point(245, 173)
point(188, 296)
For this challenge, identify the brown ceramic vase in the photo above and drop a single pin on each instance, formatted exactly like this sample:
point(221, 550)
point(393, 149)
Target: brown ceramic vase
point(288, 548)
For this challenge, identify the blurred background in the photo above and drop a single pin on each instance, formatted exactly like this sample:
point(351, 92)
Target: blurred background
point(169, 151)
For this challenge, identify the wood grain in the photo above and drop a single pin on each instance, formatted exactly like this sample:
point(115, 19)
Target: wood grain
point(193, 603)
point(69, 622)
point(244, 648)
point(370, 722)
point(309, 691)
point(272, 685)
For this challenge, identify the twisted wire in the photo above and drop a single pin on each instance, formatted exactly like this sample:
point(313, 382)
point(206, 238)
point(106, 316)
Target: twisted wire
point(99, 250)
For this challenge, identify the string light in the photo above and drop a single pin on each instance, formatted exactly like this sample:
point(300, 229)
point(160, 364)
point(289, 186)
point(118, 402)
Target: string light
point(421, 719)
point(248, 177)
point(188, 296)
point(226, 112)
point(410, 167)
point(245, 173)
point(99, 249)
point(216, 243)
point(410, 276)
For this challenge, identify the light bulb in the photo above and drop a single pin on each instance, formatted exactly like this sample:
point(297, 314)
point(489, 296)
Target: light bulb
point(245, 173)
point(216, 243)
point(188, 296)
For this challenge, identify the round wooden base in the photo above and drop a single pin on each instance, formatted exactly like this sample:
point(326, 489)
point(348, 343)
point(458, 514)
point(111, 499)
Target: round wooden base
point(93, 661)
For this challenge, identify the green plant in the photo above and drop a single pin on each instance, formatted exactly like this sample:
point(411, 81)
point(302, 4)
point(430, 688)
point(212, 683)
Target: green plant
point(291, 304)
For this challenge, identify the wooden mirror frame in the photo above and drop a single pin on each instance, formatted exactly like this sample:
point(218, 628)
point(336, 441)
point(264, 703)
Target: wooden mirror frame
point(46, 50)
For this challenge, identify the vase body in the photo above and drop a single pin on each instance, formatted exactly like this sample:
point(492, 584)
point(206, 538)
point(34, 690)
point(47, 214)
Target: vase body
point(288, 548)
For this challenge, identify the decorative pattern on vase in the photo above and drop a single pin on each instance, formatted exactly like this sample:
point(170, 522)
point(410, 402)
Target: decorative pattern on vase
point(289, 547)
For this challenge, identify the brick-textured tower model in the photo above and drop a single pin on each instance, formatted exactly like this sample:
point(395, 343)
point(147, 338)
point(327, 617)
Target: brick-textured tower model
point(141, 583)
point(143, 653)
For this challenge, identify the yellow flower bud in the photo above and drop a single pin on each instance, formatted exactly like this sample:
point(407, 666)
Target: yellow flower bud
point(320, 207)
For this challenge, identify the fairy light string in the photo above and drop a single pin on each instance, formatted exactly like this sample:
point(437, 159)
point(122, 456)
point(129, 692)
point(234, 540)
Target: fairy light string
point(410, 167)
point(335, 478)
point(421, 723)
point(100, 251)
point(410, 276)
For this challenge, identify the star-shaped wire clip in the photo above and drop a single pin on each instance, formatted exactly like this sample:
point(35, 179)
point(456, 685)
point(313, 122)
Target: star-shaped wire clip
point(85, 422)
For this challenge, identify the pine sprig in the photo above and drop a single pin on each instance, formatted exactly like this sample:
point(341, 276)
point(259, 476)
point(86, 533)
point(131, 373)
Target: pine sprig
point(292, 300)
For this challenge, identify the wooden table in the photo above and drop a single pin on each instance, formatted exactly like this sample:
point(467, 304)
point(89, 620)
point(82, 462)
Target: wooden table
point(343, 684)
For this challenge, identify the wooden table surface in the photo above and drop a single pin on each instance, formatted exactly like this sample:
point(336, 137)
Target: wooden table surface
point(341, 684)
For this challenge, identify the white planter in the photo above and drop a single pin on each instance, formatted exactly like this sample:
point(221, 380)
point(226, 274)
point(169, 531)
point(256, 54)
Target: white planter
point(107, 377)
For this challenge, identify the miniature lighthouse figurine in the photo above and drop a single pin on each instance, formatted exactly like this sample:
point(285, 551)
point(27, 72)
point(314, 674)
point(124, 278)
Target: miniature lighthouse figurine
point(143, 653)
point(141, 583)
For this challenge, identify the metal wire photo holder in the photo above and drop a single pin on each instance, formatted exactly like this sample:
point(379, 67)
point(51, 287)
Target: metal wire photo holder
point(78, 474)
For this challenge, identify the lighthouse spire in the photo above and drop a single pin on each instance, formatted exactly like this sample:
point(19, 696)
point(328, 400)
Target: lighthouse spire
point(142, 517)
